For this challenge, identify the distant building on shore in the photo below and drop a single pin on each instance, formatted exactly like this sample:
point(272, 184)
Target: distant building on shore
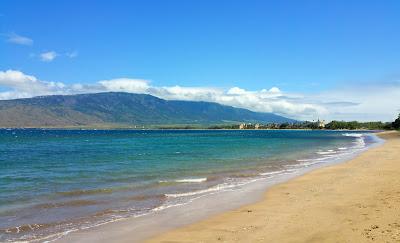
point(321, 123)
point(250, 126)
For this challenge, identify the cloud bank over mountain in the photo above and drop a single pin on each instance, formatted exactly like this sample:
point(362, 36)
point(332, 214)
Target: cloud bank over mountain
point(373, 102)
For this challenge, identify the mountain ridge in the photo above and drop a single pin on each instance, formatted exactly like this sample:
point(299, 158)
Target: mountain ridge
point(121, 109)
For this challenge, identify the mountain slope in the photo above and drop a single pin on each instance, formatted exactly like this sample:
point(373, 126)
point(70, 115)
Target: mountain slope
point(116, 108)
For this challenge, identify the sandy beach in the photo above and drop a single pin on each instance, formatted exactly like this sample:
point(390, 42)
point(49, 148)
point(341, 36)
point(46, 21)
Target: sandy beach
point(356, 201)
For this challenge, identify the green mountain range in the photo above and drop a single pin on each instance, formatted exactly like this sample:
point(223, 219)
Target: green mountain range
point(116, 109)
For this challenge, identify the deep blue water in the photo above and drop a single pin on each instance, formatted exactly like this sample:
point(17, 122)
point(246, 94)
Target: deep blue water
point(55, 180)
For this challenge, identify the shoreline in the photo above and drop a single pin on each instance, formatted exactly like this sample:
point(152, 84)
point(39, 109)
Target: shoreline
point(188, 129)
point(171, 219)
point(355, 201)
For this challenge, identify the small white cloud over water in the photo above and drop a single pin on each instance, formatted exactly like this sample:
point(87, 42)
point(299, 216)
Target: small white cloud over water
point(375, 102)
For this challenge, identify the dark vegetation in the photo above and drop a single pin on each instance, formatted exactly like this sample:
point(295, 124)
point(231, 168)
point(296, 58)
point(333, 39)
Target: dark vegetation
point(333, 125)
point(352, 125)
point(396, 123)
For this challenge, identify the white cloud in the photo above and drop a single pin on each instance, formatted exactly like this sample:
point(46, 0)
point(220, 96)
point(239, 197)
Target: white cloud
point(236, 91)
point(23, 85)
point(51, 55)
point(125, 85)
point(379, 101)
point(72, 54)
point(48, 56)
point(19, 40)
point(373, 102)
point(185, 93)
point(274, 90)
point(15, 78)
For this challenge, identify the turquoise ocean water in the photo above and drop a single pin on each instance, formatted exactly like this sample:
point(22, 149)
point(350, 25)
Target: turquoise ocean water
point(56, 181)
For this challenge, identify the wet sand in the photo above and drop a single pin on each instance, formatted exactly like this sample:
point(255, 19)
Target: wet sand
point(356, 201)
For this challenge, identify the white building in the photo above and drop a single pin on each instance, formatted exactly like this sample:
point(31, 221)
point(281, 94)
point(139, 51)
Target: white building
point(321, 123)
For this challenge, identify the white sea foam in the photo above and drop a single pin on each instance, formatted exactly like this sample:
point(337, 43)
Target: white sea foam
point(306, 164)
point(162, 207)
point(357, 135)
point(279, 172)
point(330, 154)
point(290, 171)
point(186, 180)
point(192, 180)
point(272, 173)
point(216, 188)
point(359, 143)
point(315, 159)
point(326, 152)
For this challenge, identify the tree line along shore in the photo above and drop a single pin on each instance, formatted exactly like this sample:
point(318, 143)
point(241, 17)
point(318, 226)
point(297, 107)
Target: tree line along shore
point(300, 125)
point(333, 125)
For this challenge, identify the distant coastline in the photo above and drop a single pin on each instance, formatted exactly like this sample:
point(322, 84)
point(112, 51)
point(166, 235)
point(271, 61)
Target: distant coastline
point(180, 128)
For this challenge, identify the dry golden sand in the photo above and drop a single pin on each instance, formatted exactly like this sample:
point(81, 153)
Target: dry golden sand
point(356, 201)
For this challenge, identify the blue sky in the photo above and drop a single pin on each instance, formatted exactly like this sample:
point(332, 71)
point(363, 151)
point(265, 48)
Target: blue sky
point(304, 48)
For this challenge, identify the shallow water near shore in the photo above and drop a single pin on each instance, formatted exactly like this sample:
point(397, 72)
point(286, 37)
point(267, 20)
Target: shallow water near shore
point(58, 181)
